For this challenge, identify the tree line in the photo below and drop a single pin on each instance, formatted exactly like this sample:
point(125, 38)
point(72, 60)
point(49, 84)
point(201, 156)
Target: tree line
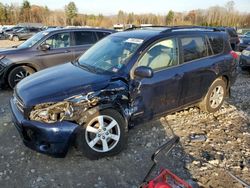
point(11, 14)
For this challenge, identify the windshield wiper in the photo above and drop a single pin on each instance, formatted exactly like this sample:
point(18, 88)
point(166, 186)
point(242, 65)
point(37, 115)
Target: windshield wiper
point(84, 66)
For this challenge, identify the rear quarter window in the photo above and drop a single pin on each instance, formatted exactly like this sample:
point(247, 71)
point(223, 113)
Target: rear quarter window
point(217, 43)
point(84, 37)
point(193, 48)
point(101, 35)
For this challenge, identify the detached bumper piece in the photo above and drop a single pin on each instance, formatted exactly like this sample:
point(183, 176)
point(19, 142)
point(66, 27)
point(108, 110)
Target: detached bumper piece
point(51, 139)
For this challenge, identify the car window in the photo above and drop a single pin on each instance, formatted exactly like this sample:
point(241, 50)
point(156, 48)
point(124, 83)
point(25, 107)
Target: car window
point(217, 43)
point(161, 55)
point(84, 37)
point(59, 40)
point(193, 48)
point(102, 34)
point(232, 32)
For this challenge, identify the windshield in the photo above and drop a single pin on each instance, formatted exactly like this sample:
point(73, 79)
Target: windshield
point(33, 40)
point(110, 54)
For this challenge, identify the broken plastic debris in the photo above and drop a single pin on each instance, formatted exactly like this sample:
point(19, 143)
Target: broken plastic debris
point(198, 137)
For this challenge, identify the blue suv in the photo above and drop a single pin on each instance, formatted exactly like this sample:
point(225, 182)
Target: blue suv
point(125, 79)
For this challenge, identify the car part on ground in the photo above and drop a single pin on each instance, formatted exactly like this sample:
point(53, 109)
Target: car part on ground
point(166, 179)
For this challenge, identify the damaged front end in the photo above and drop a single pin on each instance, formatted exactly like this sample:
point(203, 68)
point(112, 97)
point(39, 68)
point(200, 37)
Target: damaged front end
point(73, 109)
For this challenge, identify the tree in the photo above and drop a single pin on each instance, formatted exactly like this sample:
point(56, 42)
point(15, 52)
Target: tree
point(26, 11)
point(71, 12)
point(3, 14)
point(169, 17)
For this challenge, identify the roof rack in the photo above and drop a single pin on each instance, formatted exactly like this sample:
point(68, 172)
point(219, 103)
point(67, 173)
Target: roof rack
point(177, 28)
point(190, 28)
point(142, 27)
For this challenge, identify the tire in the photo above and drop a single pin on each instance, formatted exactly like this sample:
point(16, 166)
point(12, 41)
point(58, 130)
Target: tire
point(19, 73)
point(15, 38)
point(91, 138)
point(215, 96)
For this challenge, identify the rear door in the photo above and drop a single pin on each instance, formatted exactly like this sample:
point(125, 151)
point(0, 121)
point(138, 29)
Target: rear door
point(160, 93)
point(198, 63)
point(59, 52)
point(83, 40)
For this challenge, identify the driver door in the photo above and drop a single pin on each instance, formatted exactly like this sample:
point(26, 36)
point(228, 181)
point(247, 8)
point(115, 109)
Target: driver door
point(60, 50)
point(159, 94)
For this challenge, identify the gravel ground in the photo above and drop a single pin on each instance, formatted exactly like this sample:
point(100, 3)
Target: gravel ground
point(226, 146)
point(8, 43)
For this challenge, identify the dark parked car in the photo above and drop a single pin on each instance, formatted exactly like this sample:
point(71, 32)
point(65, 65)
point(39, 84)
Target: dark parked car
point(244, 42)
point(46, 49)
point(23, 34)
point(125, 79)
point(245, 59)
point(233, 37)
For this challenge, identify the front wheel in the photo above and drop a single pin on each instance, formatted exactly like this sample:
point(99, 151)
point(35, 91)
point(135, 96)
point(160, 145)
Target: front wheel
point(15, 38)
point(17, 74)
point(215, 96)
point(104, 134)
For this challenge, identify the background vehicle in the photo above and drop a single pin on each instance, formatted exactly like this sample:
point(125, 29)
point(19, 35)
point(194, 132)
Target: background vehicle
point(125, 79)
point(244, 42)
point(23, 33)
point(8, 31)
point(233, 37)
point(245, 59)
point(45, 49)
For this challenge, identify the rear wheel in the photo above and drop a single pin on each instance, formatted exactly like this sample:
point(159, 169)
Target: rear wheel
point(215, 96)
point(104, 134)
point(17, 74)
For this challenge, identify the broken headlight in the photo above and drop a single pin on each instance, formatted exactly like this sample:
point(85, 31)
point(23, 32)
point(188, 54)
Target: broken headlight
point(51, 112)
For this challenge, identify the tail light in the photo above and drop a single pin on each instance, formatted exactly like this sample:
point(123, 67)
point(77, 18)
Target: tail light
point(234, 54)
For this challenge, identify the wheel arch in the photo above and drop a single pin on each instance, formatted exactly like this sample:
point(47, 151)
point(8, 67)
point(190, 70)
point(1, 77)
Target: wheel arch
point(17, 65)
point(115, 107)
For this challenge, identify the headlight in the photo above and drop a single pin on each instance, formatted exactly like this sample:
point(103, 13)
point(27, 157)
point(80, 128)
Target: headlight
point(2, 56)
point(51, 112)
point(246, 53)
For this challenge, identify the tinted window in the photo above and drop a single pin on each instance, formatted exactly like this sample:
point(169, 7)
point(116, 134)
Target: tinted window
point(193, 48)
point(84, 37)
point(216, 43)
point(60, 40)
point(161, 55)
point(102, 34)
point(232, 32)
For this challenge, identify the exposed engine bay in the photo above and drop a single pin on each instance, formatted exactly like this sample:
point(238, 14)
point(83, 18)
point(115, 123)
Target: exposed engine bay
point(73, 108)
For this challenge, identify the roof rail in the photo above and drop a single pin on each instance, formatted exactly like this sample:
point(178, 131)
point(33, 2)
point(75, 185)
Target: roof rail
point(141, 27)
point(190, 27)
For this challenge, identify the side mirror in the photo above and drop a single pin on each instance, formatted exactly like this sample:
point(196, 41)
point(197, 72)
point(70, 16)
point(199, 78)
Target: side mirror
point(44, 47)
point(144, 72)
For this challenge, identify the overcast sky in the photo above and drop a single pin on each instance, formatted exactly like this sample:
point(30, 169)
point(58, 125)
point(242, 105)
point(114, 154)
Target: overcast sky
point(108, 7)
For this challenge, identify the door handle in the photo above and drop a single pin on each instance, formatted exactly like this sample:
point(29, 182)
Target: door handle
point(66, 51)
point(178, 76)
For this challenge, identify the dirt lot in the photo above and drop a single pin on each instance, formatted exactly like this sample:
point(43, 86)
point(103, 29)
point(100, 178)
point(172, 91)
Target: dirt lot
point(8, 43)
point(227, 145)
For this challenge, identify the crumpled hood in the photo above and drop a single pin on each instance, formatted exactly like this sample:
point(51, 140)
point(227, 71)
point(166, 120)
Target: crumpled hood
point(57, 83)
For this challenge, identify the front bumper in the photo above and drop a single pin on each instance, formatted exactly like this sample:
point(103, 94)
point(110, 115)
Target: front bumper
point(51, 139)
point(244, 61)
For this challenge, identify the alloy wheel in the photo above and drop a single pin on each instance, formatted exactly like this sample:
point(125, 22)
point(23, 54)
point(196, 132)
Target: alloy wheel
point(21, 75)
point(216, 97)
point(102, 133)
